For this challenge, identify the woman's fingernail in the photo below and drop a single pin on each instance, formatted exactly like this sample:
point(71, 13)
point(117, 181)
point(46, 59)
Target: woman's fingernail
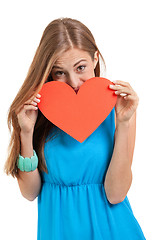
point(115, 81)
point(111, 86)
point(38, 95)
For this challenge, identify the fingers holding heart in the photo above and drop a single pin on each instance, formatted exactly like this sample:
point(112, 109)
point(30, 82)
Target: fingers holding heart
point(122, 88)
point(122, 83)
point(123, 91)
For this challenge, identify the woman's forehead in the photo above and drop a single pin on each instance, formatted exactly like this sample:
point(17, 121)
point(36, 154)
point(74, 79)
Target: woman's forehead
point(73, 54)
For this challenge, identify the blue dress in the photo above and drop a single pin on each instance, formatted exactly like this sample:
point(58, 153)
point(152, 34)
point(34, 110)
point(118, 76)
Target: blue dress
point(72, 204)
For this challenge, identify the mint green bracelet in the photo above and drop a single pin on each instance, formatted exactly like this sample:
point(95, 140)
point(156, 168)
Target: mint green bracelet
point(27, 164)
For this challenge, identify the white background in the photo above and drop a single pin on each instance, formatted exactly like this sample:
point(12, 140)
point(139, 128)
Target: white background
point(127, 34)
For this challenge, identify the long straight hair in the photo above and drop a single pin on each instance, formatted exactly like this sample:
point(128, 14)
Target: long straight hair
point(59, 36)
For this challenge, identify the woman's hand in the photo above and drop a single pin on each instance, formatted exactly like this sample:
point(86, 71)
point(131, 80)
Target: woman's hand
point(27, 114)
point(127, 100)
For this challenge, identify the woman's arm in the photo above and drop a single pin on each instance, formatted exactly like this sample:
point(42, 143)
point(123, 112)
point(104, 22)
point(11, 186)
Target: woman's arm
point(118, 177)
point(29, 182)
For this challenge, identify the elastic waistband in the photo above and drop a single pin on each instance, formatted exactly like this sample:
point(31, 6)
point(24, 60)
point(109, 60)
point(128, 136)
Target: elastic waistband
point(72, 185)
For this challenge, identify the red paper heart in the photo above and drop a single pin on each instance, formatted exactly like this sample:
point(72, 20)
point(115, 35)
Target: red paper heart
point(77, 114)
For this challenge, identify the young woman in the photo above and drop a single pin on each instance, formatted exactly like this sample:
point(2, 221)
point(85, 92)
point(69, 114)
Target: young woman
point(81, 187)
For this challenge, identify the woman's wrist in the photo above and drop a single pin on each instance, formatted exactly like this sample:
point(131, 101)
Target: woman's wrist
point(26, 144)
point(26, 134)
point(122, 124)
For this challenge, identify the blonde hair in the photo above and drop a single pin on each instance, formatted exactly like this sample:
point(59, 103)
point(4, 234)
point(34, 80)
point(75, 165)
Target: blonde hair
point(59, 36)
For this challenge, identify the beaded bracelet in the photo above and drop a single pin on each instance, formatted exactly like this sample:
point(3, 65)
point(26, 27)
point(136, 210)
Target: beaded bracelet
point(27, 164)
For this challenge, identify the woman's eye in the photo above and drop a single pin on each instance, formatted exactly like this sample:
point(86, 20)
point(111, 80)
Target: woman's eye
point(81, 68)
point(59, 73)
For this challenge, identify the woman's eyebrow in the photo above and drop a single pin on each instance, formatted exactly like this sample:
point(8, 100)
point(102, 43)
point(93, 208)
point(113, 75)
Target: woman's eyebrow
point(55, 66)
point(79, 62)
